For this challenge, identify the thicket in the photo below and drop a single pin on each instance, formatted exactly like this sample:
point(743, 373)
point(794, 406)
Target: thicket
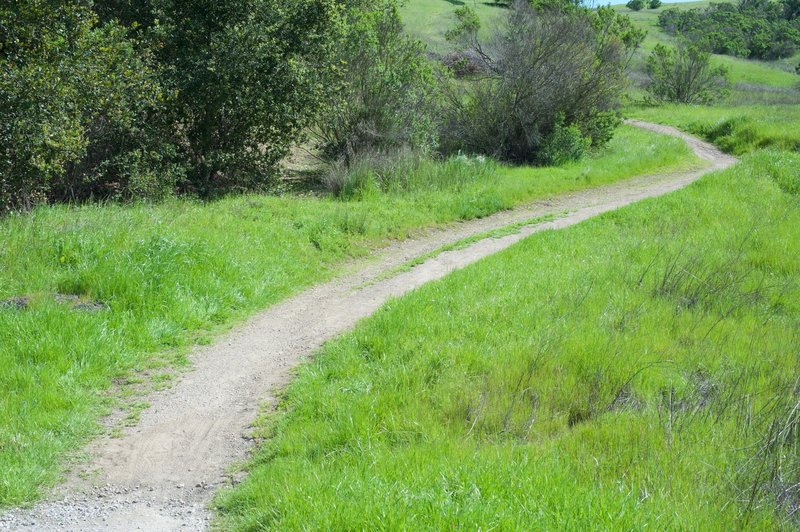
point(120, 99)
point(551, 79)
point(140, 99)
point(684, 74)
point(757, 29)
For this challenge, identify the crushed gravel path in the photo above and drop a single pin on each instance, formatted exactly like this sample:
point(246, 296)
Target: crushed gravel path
point(161, 474)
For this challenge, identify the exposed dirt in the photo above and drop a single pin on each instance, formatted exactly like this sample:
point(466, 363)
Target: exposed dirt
point(161, 473)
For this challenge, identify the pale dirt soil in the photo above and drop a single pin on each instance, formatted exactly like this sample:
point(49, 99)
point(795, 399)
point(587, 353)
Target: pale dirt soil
point(161, 474)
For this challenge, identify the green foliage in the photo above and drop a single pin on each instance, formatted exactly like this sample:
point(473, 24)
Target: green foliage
point(636, 5)
point(79, 107)
point(123, 99)
point(544, 63)
point(654, 4)
point(467, 23)
point(565, 144)
point(759, 30)
point(630, 372)
point(248, 75)
point(684, 75)
point(387, 91)
point(171, 270)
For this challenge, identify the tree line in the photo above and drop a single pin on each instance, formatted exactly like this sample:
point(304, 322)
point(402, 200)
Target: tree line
point(142, 99)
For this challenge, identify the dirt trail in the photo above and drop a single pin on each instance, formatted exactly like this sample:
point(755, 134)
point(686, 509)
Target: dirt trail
point(161, 474)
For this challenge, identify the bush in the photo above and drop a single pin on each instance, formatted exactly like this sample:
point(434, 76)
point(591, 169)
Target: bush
point(636, 5)
point(249, 77)
point(386, 99)
point(112, 98)
point(684, 75)
point(77, 102)
point(545, 65)
point(654, 4)
point(565, 144)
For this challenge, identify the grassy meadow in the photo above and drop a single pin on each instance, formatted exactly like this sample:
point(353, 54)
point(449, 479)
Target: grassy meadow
point(636, 371)
point(153, 279)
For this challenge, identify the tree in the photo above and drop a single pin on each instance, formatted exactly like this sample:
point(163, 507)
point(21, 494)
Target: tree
point(546, 70)
point(248, 77)
point(387, 92)
point(76, 98)
point(654, 4)
point(684, 75)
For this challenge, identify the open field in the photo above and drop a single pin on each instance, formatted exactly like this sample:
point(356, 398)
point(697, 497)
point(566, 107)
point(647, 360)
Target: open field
point(637, 370)
point(163, 275)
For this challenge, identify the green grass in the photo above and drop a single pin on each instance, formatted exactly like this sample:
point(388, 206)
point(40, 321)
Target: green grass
point(735, 129)
point(429, 20)
point(747, 72)
point(172, 273)
point(635, 371)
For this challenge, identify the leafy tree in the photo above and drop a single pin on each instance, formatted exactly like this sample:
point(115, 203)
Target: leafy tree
point(758, 29)
point(684, 75)
point(248, 76)
point(654, 4)
point(386, 96)
point(549, 73)
point(76, 98)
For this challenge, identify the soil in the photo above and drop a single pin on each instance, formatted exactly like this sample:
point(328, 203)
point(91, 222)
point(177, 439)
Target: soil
point(162, 473)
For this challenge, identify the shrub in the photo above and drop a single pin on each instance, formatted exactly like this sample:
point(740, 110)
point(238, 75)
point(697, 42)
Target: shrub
point(565, 144)
point(249, 76)
point(684, 75)
point(77, 101)
point(387, 96)
point(636, 5)
point(654, 4)
point(545, 65)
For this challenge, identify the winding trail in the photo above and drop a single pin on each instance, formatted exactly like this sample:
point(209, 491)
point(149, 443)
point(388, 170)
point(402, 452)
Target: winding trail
point(161, 474)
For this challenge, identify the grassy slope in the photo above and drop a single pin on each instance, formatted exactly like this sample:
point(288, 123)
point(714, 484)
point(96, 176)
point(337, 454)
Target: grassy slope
point(744, 71)
point(428, 20)
point(611, 375)
point(169, 272)
point(736, 129)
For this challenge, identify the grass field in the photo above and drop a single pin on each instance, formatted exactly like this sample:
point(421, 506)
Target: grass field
point(156, 278)
point(636, 371)
point(428, 20)
point(735, 129)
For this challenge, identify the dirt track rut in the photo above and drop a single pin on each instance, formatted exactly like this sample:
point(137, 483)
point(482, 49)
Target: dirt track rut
point(161, 474)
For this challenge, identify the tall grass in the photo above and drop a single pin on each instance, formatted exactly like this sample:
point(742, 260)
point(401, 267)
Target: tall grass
point(636, 371)
point(114, 290)
point(735, 129)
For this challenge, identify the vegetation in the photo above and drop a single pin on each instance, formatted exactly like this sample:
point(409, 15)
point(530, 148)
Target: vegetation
point(735, 129)
point(548, 70)
point(389, 100)
point(635, 370)
point(759, 29)
point(684, 75)
point(151, 279)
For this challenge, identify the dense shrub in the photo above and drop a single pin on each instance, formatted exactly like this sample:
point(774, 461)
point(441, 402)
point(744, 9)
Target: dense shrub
point(77, 101)
point(654, 4)
point(387, 92)
point(547, 70)
point(758, 29)
point(249, 75)
point(115, 98)
point(684, 75)
point(636, 5)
